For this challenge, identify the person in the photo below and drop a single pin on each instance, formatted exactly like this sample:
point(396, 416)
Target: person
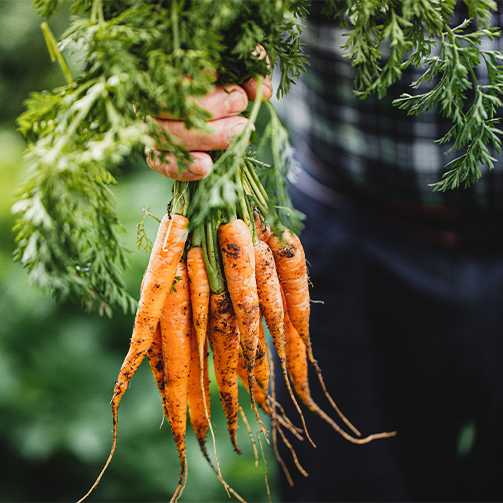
point(409, 330)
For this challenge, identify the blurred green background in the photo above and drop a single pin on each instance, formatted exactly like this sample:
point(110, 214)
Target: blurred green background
point(58, 364)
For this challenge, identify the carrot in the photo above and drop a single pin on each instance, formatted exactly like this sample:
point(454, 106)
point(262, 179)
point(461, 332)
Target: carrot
point(165, 256)
point(176, 326)
point(296, 359)
point(166, 253)
point(197, 395)
point(238, 259)
point(259, 394)
point(200, 300)
point(156, 360)
point(199, 295)
point(262, 367)
point(292, 271)
point(224, 341)
point(271, 304)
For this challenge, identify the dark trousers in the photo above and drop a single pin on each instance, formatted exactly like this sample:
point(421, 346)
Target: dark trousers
point(409, 337)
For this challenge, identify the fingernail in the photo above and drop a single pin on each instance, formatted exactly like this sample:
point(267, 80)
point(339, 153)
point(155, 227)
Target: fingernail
point(235, 130)
point(202, 167)
point(236, 101)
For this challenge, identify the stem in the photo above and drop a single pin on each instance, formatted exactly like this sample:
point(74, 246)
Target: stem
point(174, 23)
point(55, 53)
point(246, 212)
point(253, 229)
point(180, 201)
point(256, 188)
point(197, 239)
point(97, 12)
point(212, 257)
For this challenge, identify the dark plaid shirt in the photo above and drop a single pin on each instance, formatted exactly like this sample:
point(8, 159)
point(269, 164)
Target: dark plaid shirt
point(371, 147)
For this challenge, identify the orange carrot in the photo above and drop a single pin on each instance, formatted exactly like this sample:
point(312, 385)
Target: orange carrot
point(198, 410)
point(165, 256)
point(259, 394)
point(224, 341)
point(271, 304)
point(166, 253)
point(156, 360)
point(296, 359)
point(292, 271)
point(262, 369)
point(200, 300)
point(199, 294)
point(269, 293)
point(176, 326)
point(238, 259)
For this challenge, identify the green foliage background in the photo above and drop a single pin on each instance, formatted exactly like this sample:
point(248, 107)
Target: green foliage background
point(58, 364)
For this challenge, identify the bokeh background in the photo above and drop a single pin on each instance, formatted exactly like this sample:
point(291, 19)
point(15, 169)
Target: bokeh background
point(58, 364)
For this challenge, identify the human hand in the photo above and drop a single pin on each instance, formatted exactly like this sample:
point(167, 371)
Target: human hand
point(224, 104)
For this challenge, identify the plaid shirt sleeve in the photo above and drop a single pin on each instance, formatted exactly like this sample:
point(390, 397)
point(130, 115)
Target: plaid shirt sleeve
point(371, 147)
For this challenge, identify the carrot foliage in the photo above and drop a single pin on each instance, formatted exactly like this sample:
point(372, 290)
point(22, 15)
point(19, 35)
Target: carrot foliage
point(138, 57)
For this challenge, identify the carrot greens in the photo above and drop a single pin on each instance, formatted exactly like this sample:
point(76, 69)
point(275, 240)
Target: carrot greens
point(140, 57)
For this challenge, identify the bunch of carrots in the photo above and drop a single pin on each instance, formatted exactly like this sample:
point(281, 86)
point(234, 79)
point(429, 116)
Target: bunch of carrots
point(213, 286)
